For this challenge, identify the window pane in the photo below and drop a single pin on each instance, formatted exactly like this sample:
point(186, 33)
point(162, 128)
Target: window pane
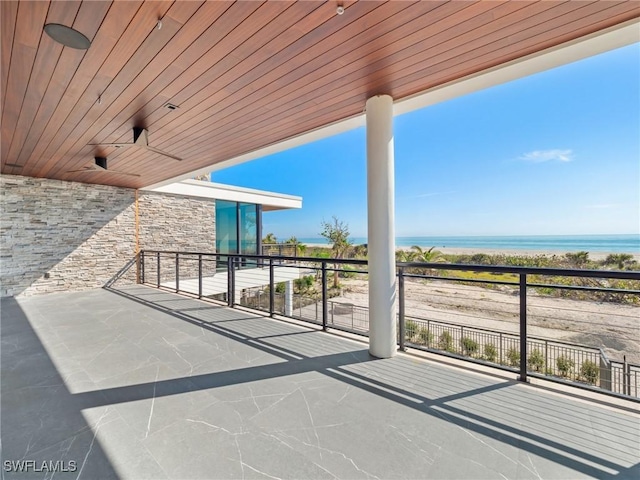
point(248, 229)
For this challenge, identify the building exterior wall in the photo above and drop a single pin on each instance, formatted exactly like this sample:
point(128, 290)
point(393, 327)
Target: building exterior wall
point(65, 236)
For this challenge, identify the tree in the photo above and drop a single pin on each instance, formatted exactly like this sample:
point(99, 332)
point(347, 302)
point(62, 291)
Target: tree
point(269, 238)
point(426, 256)
point(300, 248)
point(337, 232)
point(405, 256)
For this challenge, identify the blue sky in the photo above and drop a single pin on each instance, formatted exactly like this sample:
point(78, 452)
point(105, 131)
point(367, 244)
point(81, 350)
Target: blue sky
point(557, 153)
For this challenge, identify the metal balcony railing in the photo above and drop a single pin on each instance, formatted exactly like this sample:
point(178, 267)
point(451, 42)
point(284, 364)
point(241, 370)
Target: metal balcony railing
point(333, 293)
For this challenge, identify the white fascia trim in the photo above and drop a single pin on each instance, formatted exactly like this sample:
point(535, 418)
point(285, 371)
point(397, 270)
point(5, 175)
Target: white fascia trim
point(218, 191)
point(621, 35)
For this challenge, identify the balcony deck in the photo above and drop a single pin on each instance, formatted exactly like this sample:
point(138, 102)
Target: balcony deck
point(141, 383)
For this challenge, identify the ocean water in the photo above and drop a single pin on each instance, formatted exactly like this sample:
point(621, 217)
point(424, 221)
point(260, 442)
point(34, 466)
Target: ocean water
point(560, 243)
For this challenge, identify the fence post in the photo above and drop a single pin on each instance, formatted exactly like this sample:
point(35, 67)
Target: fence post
point(546, 356)
point(500, 354)
point(626, 376)
point(401, 323)
point(200, 276)
point(272, 288)
point(324, 296)
point(523, 327)
point(158, 264)
point(177, 272)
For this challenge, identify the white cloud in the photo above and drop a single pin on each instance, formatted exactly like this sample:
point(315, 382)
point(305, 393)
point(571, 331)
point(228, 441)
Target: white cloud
point(539, 156)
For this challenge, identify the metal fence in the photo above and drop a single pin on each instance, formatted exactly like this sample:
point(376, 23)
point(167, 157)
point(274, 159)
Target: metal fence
point(303, 288)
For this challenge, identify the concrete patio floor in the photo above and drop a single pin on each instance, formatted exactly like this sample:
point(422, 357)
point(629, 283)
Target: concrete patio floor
point(142, 383)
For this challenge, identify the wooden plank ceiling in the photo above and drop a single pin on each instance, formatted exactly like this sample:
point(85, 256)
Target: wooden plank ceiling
point(244, 75)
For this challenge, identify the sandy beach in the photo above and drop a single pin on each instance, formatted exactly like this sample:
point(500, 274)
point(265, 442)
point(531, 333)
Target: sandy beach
point(490, 251)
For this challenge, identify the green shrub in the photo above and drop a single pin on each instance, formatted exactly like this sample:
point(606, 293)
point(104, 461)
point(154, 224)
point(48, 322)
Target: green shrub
point(590, 371)
point(349, 274)
point(490, 352)
point(303, 284)
point(536, 361)
point(565, 365)
point(410, 329)
point(425, 337)
point(445, 341)
point(280, 287)
point(513, 357)
point(469, 346)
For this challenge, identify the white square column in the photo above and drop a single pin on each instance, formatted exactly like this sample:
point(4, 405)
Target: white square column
point(381, 227)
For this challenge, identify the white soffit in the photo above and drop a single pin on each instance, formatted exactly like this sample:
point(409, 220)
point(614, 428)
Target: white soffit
point(218, 191)
point(618, 36)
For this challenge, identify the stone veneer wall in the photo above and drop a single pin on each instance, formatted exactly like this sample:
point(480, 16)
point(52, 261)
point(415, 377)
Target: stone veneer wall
point(81, 235)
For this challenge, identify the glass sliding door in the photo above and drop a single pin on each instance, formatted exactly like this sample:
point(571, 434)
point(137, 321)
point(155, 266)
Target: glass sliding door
point(238, 229)
point(226, 227)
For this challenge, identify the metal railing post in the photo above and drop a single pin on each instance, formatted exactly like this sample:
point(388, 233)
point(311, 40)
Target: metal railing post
point(177, 272)
point(158, 264)
point(142, 266)
point(272, 288)
point(401, 322)
point(324, 296)
point(200, 276)
point(523, 327)
point(230, 281)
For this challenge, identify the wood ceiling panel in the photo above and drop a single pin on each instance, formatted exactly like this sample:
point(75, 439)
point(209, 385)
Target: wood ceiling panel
point(24, 51)
point(123, 106)
point(8, 14)
point(49, 60)
point(244, 74)
point(289, 67)
point(273, 29)
point(222, 57)
point(99, 66)
point(136, 73)
point(66, 71)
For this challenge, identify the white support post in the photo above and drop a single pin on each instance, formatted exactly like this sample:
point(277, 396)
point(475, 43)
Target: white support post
point(381, 240)
point(288, 299)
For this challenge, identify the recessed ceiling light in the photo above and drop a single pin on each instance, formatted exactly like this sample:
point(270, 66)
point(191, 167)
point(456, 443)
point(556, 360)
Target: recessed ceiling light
point(67, 36)
point(170, 106)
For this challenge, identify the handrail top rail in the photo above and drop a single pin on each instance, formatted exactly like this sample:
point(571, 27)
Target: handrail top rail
point(565, 272)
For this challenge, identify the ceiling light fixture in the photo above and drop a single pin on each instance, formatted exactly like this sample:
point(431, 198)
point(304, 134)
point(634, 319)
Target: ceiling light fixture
point(340, 9)
point(67, 36)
